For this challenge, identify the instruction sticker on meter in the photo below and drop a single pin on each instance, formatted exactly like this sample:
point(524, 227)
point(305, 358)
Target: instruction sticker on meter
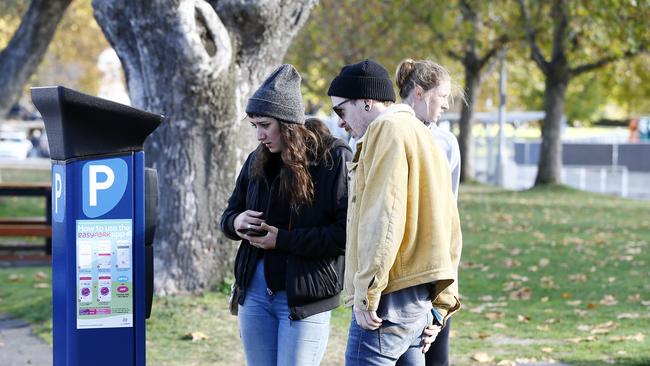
point(104, 274)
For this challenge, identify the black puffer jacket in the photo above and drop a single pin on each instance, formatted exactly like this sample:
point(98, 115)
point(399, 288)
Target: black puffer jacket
point(315, 245)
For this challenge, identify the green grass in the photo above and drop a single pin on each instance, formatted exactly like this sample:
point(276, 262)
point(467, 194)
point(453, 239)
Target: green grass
point(572, 250)
point(584, 258)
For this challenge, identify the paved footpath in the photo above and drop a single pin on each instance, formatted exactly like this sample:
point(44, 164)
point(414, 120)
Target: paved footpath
point(19, 346)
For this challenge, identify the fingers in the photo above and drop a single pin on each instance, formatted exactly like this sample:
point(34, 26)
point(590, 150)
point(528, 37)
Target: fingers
point(269, 228)
point(370, 320)
point(375, 319)
point(426, 347)
point(251, 219)
point(432, 330)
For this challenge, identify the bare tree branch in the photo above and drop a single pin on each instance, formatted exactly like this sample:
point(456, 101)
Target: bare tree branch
point(535, 52)
point(605, 61)
point(454, 55)
point(499, 44)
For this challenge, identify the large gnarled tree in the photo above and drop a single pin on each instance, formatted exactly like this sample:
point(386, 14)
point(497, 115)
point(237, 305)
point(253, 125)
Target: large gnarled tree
point(24, 53)
point(197, 62)
point(591, 34)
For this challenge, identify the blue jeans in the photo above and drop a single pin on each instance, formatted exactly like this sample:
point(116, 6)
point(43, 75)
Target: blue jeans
point(270, 337)
point(384, 346)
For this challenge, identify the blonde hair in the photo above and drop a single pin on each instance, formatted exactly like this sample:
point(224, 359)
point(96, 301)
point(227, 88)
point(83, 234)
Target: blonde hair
point(427, 74)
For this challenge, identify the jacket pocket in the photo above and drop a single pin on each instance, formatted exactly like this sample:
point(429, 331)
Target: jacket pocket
point(309, 280)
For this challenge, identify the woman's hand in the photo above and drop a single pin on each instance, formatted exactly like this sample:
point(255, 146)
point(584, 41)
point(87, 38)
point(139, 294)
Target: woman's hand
point(248, 219)
point(265, 242)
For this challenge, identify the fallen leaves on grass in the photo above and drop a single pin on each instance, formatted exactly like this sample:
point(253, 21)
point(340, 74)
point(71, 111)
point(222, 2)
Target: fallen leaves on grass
point(507, 363)
point(581, 312)
point(548, 282)
point(546, 349)
point(639, 337)
point(195, 336)
point(634, 298)
point(544, 262)
point(609, 300)
point(578, 277)
point(628, 316)
point(523, 293)
point(566, 295)
point(41, 285)
point(517, 277)
point(523, 318)
point(574, 303)
point(40, 276)
point(482, 357)
point(572, 240)
point(590, 338)
point(16, 277)
point(604, 328)
point(481, 335)
point(495, 315)
point(510, 263)
point(499, 325)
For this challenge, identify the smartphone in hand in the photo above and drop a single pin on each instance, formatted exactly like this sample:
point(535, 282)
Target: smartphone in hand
point(252, 232)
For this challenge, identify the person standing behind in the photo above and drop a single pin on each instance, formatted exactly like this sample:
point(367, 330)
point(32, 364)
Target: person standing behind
point(288, 209)
point(403, 233)
point(426, 86)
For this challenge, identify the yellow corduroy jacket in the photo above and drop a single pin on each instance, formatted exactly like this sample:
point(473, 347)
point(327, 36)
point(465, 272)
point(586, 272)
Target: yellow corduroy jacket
point(403, 227)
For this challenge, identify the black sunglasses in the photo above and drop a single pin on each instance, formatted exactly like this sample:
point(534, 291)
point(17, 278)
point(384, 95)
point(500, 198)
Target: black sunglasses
point(338, 110)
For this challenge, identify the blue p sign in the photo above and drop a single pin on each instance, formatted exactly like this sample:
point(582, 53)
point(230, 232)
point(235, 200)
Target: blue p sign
point(103, 184)
point(58, 192)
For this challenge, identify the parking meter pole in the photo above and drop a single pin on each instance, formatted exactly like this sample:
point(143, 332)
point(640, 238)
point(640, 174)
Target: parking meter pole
point(102, 227)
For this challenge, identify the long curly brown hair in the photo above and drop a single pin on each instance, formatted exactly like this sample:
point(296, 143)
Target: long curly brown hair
point(304, 145)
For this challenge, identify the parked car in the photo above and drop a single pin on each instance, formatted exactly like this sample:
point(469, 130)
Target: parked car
point(14, 145)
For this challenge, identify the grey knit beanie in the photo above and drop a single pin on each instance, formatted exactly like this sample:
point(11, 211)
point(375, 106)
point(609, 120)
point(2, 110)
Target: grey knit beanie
point(279, 97)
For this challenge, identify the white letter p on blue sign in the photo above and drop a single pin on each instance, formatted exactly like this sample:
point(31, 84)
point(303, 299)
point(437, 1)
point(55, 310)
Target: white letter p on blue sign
point(103, 184)
point(58, 192)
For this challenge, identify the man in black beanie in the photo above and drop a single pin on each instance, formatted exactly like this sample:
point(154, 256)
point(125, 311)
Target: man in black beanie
point(403, 234)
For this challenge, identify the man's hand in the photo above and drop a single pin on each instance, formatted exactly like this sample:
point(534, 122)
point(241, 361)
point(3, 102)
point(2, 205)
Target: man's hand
point(367, 320)
point(430, 333)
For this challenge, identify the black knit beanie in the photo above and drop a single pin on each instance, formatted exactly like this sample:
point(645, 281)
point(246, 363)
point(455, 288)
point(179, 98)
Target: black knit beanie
point(364, 80)
point(279, 97)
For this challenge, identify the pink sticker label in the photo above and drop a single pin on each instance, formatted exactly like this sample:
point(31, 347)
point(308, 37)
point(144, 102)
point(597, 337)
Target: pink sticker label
point(122, 289)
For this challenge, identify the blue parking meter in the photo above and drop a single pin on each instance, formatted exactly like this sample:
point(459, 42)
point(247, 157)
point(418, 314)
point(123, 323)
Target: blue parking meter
point(103, 222)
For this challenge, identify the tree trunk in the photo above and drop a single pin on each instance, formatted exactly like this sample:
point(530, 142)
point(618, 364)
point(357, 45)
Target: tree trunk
point(466, 124)
point(197, 63)
point(24, 53)
point(549, 168)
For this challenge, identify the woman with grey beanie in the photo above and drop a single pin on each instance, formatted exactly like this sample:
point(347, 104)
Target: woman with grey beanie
point(288, 209)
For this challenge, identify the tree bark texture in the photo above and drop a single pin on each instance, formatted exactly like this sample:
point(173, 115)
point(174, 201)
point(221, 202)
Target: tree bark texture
point(466, 123)
point(23, 54)
point(197, 62)
point(549, 168)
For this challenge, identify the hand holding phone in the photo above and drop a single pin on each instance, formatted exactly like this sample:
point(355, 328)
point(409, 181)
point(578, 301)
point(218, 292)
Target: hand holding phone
point(252, 232)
